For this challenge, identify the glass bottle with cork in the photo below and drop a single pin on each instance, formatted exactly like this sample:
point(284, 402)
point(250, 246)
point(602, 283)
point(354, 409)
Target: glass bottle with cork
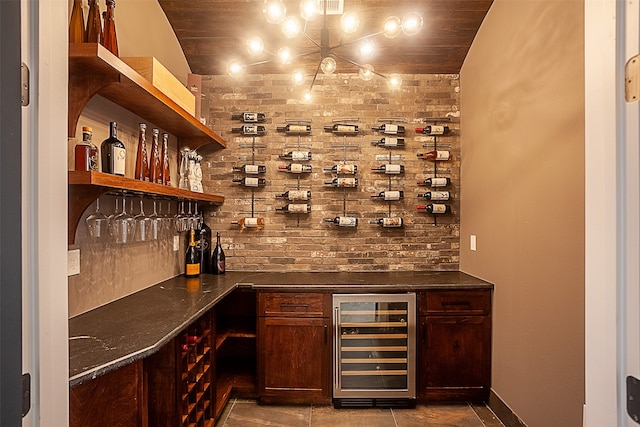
point(86, 153)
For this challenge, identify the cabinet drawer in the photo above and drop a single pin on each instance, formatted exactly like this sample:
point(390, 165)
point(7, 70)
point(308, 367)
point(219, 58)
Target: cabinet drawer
point(456, 302)
point(293, 304)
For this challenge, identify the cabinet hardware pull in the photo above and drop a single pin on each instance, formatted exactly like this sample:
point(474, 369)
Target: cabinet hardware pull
point(286, 305)
point(326, 327)
point(336, 365)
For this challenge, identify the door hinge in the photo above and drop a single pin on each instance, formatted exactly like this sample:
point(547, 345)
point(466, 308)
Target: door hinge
point(26, 394)
point(24, 84)
point(633, 398)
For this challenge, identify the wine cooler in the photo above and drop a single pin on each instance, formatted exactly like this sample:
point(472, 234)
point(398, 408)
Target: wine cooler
point(374, 350)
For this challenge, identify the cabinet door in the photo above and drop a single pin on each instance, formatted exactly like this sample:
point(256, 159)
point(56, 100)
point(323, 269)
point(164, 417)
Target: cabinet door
point(455, 361)
point(294, 359)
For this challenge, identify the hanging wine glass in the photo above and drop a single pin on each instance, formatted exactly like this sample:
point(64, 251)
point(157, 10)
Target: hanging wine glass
point(156, 223)
point(123, 229)
point(143, 225)
point(181, 219)
point(97, 223)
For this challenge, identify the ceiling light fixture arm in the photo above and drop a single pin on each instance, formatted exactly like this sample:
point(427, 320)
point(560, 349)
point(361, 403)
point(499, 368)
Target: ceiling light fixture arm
point(357, 65)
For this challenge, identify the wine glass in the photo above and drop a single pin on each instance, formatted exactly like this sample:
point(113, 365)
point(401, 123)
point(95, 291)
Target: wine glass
point(181, 219)
point(156, 223)
point(123, 225)
point(97, 223)
point(142, 224)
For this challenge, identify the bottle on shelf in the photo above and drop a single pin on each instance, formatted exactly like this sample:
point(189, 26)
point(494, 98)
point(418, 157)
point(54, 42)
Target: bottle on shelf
point(142, 161)
point(217, 257)
point(164, 158)
point(389, 129)
point(113, 152)
point(389, 169)
point(295, 208)
point(435, 195)
point(249, 222)
point(109, 39)
point(251, 182)
point(342, 129)
point(391, 222)
point(250, 169)
point(250, 130)
point(192, 257)
point(435, 208)
point(434, 130)
point(435, 182)
point(155, 167)
point(249, 117)
point(389, 195)
point(295, 129)
point(343, 182)
point(389, 142)
point(296, 156)
point(296, 168)
point(94, 23)
point(295, 195)
point(342, 169)
point(86, 152)
point(434, 155)
point(343, 221)
point(76, 23)
point(204, 246)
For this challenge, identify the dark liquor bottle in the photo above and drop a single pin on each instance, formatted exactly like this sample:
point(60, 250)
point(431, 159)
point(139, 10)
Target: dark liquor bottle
point(296, 156)
point(164, 158)
point(94, 23)
point(250, 130)
point(76, 23)
point(435, 208)
point(343, 182)
point(250, 169)
point(251, 182)
point(435, 195)
point(295, 129)
point(110, 40)
point(389, 129)
point(295, 208)
point(434, 155)
point(343, 169)
point(389, 169)
point(295, 195)
point(113, 152)
point(249, 117)
point(434, 130)
point(392, 222)
point(86, 153)
point(389, 195)
point(218, 264)
point(142, 161)
point(342, 129)
point(389, 142)
point(296, 168)
point(155, 166)
point(343, 221)
point(435, 182)
point(192, 257)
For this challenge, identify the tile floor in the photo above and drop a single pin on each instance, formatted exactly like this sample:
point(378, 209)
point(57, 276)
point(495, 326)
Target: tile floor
point(247, 413)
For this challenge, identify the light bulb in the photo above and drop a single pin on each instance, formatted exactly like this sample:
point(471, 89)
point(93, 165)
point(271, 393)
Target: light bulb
point(307, 96)
point(297, 77)
point(412, 23)
point(284, 53)
point(234, 68)
point(255, 45)
point(395, 81)
point(274, 11)
point(366, 72)
point(349, 22)
point(309, 9)
point(392, 26)
point(328, 65)
point(290, 27)
point(367, 48)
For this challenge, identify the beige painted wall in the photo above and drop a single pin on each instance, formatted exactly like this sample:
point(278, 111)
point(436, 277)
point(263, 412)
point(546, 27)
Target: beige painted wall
point(522, 195)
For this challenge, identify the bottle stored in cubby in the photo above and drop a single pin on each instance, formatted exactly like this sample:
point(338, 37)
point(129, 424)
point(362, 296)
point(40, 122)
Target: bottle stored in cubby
point(76, 23)
point(113, 152)
point(434, 155)
point(249, 222)
point(435, 182)
point(86, 152)
point(218, 263)
point(296, 156)
point(342, 129)
point(296, 168)
point(249, 117)
point(434, 130)
point(109, 38)
point(389, 195)
point(164, 158)
point(142, 161)
point(342, 169)
point(295, 129)
point(391, 222)
point(251, 182)
point(389, 169)
point(435, 208)
point(250, 169)
point(192, 257)
point(389, 142)
point(295, 208)
point(250, 130)
point(343, 182)
point(435, 195)
point(389, 129)
point(155, 167)
point(343, 221)
point(94, 23)
point(295, 195)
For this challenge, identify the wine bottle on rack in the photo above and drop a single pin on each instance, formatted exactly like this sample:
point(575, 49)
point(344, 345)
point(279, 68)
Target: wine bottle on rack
point(434, 130)
point(342, 129)
point(250, 169)
point(343, 182)
point(296, 156)
point(164, 158)
point(250, 130)
point(434, 155)
point(76, 24)
point(389, 169)
point(249, 117)
point(251, 182)
point(94, 23)
point(295, 129)
point(86, 153)
point(295, 208)
point(435, 195)
point(389, 142)
point(155, 167)
point(435, 208)
point(192, 257)
point(218, 264)
point(389, 195)
point(342, 169)
point(392, 222)
point(142, 161)
point(295, 195)
point(113, 152)
point(296, 168)
point(249, 222)
point(389, 129)
point(435, 182)
point(109, 39)
point(343, 221)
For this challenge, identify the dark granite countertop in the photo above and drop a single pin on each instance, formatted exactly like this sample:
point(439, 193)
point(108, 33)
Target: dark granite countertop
point(138, 325)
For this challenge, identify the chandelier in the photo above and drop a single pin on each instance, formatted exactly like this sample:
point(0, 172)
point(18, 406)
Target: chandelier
point(275, 12)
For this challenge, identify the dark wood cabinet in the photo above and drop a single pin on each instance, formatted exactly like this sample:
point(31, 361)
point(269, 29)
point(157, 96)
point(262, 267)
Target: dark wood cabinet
point(294, 347)
point(454, 345)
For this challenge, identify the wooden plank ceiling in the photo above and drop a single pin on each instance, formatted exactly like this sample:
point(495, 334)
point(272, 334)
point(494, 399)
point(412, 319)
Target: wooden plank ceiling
point(212, 32)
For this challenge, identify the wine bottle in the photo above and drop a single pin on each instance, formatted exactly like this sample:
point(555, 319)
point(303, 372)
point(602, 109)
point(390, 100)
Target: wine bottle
point(250, 130)
point(217, 257)
point(389, 169)
point(389, 129)
point(296, 168)
point(342, 129)
point(342, 169)
point(392, 222)
point(249, 222)
point(109, 39)
point(343, 221)
point(192, 257)
point(204, 246)
point(295, 129)
point(249, 117)
point(434, 155)
point(113, 152)
point(389, 142)
point(295, 208)
point(251, 182)
point(295, 195)
point(142, 161)
point(343, 182)
point(76, 23)
point(94, 23)
point(155, 168)
point(86, 153)
point(389, 195)
point(435, 208)
point(166, 170)
point(435, 195)
point(435, 182)
point(296, 156)
point(250, 169)
point(434, 130)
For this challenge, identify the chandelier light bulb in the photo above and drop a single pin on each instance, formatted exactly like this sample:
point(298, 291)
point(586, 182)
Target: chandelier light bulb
point(307, 96)
point(255, 45)
point(412, 23)
point(395, 81)
point(298, 77)
point(309, 10)
point(328, 65)
point(284, 53)
point(291, 27)
point(367, 48)
point(349, 22)
point(392, 27)
point(274, 11)
point(234, 68)
point(366, 72)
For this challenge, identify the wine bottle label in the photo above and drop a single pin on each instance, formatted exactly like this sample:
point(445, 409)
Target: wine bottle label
point(391, 129)
point(119, 156)
point(298, 195)
point(347, 221)
point(297, 208)
point(345, 129)
point(437, 130)
point(346, 182)
point(250, 130)
point(251, 222)
point(192, 269)
point(442, 155)
point(300, 155)
point(438, 182)
point(392, 195)
point(221, 266)
point(251, 182)
point(346, 169)
point(250, 117)
point(296, 168)
point(298, 129)
point(439, 195)
point(251, 169)
point(392, 222)
point(438, 208)
point(391, 142)
point(393, 169)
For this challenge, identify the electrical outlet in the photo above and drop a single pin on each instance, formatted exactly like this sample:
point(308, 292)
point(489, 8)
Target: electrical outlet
point(472, 242)
point(73, 262)
point(176, 243)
